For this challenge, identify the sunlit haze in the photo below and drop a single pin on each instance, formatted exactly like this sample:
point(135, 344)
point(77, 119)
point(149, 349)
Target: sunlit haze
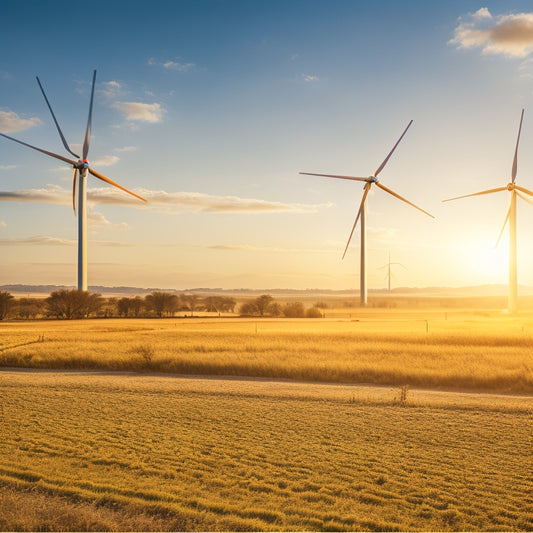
point(211, 109)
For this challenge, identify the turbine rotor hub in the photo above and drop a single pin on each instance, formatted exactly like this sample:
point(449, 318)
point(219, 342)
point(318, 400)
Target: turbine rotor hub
point(372, 179)
point(511, 186)
point(82, 164)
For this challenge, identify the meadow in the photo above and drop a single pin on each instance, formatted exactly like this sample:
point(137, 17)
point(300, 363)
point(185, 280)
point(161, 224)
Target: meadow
point(92, 451)
point(481, 351)
point(367, 420)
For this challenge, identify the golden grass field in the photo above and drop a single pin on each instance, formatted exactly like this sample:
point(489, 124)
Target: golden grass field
point(140, 450)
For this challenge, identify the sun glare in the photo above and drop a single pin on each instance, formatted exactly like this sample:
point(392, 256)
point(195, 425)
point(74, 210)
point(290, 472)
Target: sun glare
point(487, 263)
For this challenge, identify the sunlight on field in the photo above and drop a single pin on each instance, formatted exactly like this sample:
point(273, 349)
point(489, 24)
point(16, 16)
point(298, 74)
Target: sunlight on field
point(482, 351)
point(209, 454)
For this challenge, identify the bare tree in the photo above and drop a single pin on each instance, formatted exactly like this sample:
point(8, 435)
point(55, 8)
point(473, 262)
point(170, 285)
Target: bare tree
point(162, 303)
point(192, 301)
point(6, 302)
point(73, 303)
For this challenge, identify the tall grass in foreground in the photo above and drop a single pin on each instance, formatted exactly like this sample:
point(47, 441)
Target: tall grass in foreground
point(94, 452)
point(491, 354)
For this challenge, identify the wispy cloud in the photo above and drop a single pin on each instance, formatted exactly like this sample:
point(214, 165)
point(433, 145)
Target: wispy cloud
point(171, 64)
point(97, 219)
point(105, 161)
point(309, 78)
point(3, 224)
point(125, 149)
point(109, 89)
point(39, 239)
point(136, 111)
point(269, 249)
point(192, 202)
point(7, 167)
point(510, 35)
point(44, 240)
point(11, 122)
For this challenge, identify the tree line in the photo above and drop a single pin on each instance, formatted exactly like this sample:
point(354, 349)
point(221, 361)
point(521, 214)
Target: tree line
point(75, 304)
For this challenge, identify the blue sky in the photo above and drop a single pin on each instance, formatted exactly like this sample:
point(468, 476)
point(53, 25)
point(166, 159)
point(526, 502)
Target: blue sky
point(211, 108)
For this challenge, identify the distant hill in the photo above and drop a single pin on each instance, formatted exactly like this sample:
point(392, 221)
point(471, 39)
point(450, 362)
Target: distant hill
point(452, 292)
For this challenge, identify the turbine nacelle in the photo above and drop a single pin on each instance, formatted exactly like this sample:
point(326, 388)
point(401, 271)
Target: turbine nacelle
point(82, 164)
point(372, 179)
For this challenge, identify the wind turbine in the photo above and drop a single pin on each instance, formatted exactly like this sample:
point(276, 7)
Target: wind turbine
point(389, 271)
point(361, 213)
point(515, 191)
point(81, 170)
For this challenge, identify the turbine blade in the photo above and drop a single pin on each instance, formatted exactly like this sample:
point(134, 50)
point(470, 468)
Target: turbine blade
point(51, 154)
point(523, 189)
point(111, 182)
point(503, 227)
point(525, 198)
point(515, 160)
point(390, 153)
point(476, 194)
point(89, 119)
point(74, 190)
point(335, 176)
point(386, 189)
point(361, 206)
point(65, 144)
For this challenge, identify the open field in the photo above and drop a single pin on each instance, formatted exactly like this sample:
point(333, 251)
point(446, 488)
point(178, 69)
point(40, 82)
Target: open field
point(486, 351)
point(91, 451)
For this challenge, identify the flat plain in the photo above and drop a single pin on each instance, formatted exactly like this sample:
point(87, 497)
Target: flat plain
point(293, 434)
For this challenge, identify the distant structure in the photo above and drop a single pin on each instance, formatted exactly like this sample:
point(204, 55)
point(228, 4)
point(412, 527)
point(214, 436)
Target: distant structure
point(389, 271)
point(361, 214)
point(81, 168)
point(515, 191)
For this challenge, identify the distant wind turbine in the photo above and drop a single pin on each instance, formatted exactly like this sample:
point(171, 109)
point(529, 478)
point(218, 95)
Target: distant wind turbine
point(515, 191)
point(371, 180)
point(389, 271)
point(81, 168)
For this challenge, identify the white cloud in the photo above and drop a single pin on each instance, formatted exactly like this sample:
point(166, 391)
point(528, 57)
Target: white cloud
point(309, 78)
point(11, 122)
point(110, 89)
point(192, 202)
point(7, 167)
point(136, 111)
point(510, 35)
point(3, 224)
point(179, 66)
point(97, 219)
point(105, 161)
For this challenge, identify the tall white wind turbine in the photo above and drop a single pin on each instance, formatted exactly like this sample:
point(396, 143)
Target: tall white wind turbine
point(515, 191)
point(361, 213)
point(81, 169)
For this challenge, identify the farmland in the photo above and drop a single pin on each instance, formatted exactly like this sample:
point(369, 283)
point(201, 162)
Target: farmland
point(423, 349)
point(379, 421)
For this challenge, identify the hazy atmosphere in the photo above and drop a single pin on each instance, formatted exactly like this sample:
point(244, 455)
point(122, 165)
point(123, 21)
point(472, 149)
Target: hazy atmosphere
point(210, 109)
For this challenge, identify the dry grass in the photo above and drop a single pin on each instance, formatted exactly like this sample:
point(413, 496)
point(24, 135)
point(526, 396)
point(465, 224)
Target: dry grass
point(461, 350)
point(107, 452)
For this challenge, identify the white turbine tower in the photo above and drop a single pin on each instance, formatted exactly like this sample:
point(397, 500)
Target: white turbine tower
point(361, 214)
point(81, 168)
point(515, 191)
point(389, 271)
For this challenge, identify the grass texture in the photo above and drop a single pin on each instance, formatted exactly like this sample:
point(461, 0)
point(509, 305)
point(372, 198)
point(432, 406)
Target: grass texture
point(99, 452)
point(453, 350)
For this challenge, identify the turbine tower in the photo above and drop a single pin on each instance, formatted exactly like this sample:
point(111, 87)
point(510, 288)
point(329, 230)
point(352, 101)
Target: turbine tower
point(389, 271)
point(81, 170)
point(515, 191)
point(361, 213)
